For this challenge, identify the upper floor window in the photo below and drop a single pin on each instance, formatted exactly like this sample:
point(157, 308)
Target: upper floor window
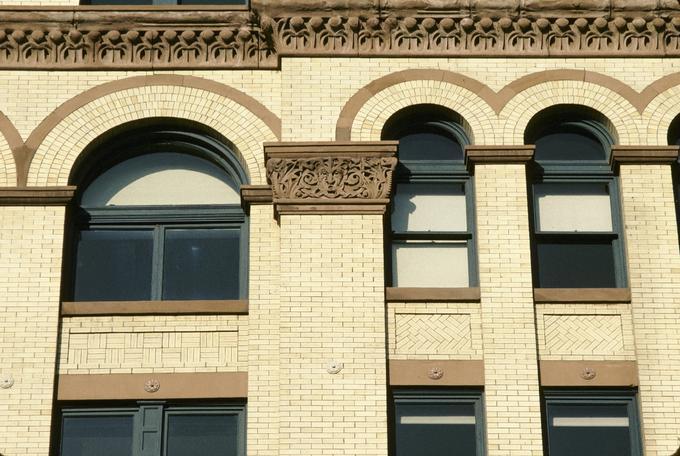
point(592, 423)
point(576, 215)
point(432, 220)
point(434, 422)
point(159, 218)
point(167, 429)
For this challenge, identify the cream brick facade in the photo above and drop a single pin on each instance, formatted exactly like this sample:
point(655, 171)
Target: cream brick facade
point(316, 281)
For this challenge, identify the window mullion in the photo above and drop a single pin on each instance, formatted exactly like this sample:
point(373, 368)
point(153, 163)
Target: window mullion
point(157, 270)
point(149, 428)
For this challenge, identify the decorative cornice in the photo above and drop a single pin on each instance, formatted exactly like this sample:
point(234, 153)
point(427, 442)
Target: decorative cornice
point(353, 177)
point(36, 196)
point(498, 154)
point(644, 154)
point(146, 38)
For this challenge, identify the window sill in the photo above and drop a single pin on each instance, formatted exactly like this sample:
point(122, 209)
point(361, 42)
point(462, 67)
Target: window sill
point(202, 307)
point(581, 295)
point(432, 294)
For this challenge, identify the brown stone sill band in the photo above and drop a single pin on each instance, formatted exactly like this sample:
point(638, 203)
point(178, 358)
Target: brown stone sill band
point(74, 309)
point(588, 373)
point(581, 295)
point(414, 372)
point(644, 154)
point(498, 154)
point(432, 294)
point(200, 385)
point(36, 196)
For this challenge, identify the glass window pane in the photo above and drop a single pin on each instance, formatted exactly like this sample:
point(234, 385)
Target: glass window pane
point(190, 435)
point(201, 264)
point(576, 265)
point(429, 207)
point(114, 265)
point(162, 179)
point(435, 429)
point(429, 146)
point(573, 207)
point(569, 144)
point(430, 264)
point(97, 436)
point(589, 430)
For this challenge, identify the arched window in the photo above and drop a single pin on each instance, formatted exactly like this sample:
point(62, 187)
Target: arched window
point(576, 221)
point(432, 245)
point(158, 217)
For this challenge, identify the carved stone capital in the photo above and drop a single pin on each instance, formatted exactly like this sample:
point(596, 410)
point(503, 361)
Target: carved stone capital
point(319, 177)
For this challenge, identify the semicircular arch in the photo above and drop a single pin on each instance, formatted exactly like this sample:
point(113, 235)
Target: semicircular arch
point(659, 115)
point(521, 108)
point(367, 112)
point(63, 136)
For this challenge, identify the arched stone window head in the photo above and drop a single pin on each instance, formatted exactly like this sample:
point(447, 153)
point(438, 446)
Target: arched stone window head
point(158, 217)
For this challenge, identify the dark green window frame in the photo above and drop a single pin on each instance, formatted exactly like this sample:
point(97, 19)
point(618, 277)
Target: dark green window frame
point(150, 422)
point(596, 397)
point(158, 219)
point(148, 137)
point(579, 172)
point(402, 398)
point(452, 172)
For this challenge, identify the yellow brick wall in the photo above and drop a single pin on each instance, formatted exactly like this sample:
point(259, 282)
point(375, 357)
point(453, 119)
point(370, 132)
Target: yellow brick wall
point(332, 309)
point(141, 344)
point(30, 265)
point(291, 298)
point(434, 330)
point(264, 321)
point(513, 409)
point(654, 268)
point(585, 332)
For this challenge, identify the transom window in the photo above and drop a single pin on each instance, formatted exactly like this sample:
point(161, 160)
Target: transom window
point(432, 212)
point(592, 423)
point(433, 422)
point(160, 221)
point(577, 228)
point(153, 429)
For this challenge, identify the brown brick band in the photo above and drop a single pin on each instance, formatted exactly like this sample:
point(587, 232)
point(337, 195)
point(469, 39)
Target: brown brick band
point(200, 385)
point(588, 373)
point(436, 373)
point(212, 307)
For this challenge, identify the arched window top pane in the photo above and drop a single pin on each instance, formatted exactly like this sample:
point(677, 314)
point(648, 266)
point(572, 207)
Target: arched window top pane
point(427, 132)
point(163, 178)
point(569, 143)
point(429, 145)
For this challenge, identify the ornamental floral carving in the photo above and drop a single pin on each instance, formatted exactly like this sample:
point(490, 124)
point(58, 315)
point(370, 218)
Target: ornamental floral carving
point(334, 178)
point(31, 40)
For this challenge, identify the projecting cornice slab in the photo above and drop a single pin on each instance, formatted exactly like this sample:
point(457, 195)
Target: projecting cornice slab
point(105, 38)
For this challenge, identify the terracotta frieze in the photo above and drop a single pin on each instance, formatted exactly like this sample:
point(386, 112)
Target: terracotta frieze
point(331, 177)
point(145, 38)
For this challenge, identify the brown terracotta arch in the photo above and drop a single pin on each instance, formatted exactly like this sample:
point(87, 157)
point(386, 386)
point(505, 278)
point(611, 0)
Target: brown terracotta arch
point(343, 128)
point(38, 135)
point(497, 100)
point(13, 138)
point(658, 87)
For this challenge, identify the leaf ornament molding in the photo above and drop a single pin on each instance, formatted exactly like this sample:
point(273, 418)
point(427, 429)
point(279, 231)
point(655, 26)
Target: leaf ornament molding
point(87, 38)
point(351, 177)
